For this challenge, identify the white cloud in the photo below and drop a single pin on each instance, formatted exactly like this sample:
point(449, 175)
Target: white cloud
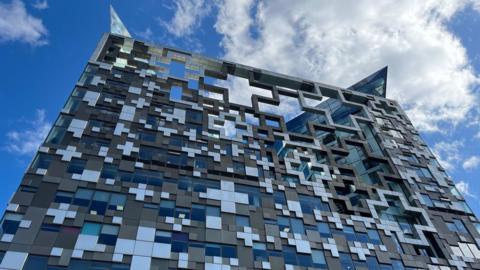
point(146, 35)
point(41, 5)
point(17, 25)
point(448, 153)
point(27, 141)
point(464, 188)
point(340, 42)
point(477, 136)
point(187, 17)
point(476, 5)
point(471, 163)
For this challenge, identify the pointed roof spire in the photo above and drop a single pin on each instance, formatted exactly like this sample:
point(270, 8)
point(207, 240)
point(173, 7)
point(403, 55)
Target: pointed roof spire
point(374, 84)
point(116, 25)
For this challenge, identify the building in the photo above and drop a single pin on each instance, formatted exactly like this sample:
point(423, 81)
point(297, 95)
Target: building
point(150, 166)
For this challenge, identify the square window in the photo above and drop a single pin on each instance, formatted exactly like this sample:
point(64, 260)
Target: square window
point(176, 93)
point(198, 212)
point(318, 257)
point(76, 166)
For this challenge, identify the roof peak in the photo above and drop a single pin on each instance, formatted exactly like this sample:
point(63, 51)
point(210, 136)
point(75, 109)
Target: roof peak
point(116, 24)
point(375, 83)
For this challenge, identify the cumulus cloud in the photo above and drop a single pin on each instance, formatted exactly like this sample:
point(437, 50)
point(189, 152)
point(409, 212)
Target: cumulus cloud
point(464, 188)
point(476, 5)
point(471, 163)
point(340, 42)
point(146, 35)
point(188, 15)
point(41, 5)
point(17, 25)
point(448, 153)
point(27, 141)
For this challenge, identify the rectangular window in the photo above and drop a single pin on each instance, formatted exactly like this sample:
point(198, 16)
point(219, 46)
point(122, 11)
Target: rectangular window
point(109, 171)
point(176, 93)
point(76, 165)
point(91, 228)
point(117, 202)
point(426, 199)
point(324, 230)
point(374, 237)
point(254, 195)
point(163, 237)
point(457, 226)
point(194, 116)
point(146, 136)
point(11, 223)
point(83, 197)
point(166, 208)
point(64, 197)
point(198, 212)
point(42, 161)
point(318, 258)
point(213, 211)
point(99, 203)
point(259, 252)
point(107, 234)
point(242, 221)
point(179, 242)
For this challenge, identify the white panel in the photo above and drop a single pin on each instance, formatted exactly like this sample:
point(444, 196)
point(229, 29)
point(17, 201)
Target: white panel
point(146, 234)
point(125, 246)
point(214, 222)
point(13, 260)
point(161, 250)
point(140, 262)
point(143, 248)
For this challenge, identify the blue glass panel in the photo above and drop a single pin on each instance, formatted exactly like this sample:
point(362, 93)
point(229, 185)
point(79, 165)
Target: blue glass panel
point(318, 257)
point(212, 250)
point(107, 239)
point(372, 263)
point(229, 251)
point(192, 84)
point(242, 221)
point(91, 228)
point(166, 208)
point(213, 211)
point(177, 69)
point(35, 263)
point(198, 212)
point(76, 166)
point(176, 93)
point(374, 237)
point(179, 246)
point(297, 226)
point(163, 237)
point(10, 226)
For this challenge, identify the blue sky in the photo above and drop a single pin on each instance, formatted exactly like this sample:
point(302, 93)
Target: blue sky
point(433, 56)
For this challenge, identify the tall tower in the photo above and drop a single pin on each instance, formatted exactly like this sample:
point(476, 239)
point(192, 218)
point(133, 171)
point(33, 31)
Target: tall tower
point(152, 165)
